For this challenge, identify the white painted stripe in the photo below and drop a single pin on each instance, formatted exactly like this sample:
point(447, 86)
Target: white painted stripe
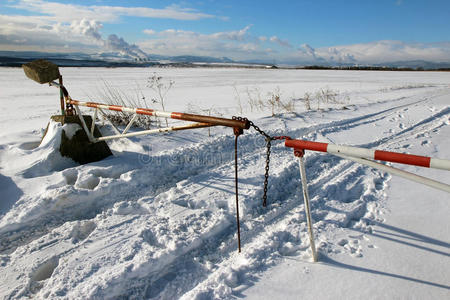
point(163, 114)
point(351, 151)
point(127, 109)
point(437, 163)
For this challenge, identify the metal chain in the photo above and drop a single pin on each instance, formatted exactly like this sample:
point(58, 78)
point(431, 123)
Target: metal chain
point(268, 146)
point(269, 139)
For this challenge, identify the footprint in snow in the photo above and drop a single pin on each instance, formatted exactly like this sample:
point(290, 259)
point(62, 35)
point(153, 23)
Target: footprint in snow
point(89, 182)
point(81, 230)
point(43, 272)
point(70, 176)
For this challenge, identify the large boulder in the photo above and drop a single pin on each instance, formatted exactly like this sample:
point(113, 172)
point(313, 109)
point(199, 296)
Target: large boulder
point(76, 145)
point(41, 71)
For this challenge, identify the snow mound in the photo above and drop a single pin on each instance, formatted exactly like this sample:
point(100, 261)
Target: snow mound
point(46, 158)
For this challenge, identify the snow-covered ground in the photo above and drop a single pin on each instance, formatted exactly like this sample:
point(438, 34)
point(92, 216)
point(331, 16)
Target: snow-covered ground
point(157, 220)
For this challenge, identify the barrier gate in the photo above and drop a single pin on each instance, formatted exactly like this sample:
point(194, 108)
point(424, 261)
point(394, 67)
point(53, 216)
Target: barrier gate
point(45, 72)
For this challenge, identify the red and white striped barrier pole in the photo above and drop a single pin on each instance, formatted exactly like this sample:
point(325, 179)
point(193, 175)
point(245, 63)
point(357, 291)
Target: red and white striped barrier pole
point(163, 114)
point(408, 159)
point(365, 156)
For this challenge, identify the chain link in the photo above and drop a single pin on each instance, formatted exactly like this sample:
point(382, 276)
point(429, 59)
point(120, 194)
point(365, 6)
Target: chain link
point(268, 151)
point(269, 139)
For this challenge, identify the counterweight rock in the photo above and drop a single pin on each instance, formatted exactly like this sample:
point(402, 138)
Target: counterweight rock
point(41, 71)
point(78, 147)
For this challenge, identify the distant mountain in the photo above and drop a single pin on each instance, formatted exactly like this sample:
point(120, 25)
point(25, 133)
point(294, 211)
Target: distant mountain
point(116, 59)
point(107, 59)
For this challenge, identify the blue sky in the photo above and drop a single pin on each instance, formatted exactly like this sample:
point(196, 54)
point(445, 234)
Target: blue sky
point(284, 31)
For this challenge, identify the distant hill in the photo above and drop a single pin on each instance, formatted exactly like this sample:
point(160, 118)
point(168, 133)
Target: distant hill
point(110, 59)
point(16, 59)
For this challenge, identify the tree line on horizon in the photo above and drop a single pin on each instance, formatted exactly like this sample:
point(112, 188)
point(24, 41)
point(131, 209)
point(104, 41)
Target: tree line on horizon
point(370, 68)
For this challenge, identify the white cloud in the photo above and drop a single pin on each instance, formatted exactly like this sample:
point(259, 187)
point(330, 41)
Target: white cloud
point(89, 28)
point(36, 33)
point(64, 27)
point(388, 51)
point(33, 33)
point(239, 35)
point(236, 44)
point(68, 12)
point(149, 31)
point(378, 52)
point(76, 27)
point(284, 43)
point(241, 45)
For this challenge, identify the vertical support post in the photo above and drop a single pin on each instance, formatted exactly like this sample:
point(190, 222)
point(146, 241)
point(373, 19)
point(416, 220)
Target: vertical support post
point(83, 124)
point(94, 117)
point(299, 153)
point(61, 95)
point(237, 132)
point(130, 124)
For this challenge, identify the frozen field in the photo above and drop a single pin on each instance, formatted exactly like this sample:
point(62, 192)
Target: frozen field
point(157, 220)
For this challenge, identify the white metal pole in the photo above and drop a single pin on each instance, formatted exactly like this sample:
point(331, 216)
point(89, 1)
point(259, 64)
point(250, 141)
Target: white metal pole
point(150, 131)
point(130, 124)
point(83, 123)
point(94, 117)
point(307, 208)
point(413, 177)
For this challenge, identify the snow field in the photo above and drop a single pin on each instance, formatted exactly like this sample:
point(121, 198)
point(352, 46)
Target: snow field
point(157, 220)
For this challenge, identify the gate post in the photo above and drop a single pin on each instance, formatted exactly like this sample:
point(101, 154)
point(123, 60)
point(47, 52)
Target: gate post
point(299, 153)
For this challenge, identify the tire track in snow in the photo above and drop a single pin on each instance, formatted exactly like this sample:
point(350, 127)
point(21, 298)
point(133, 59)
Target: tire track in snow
point(346, 124)
point(265, 242)
point(283, 212)
point(286, 206)
point(350, 168)
point(271, 216)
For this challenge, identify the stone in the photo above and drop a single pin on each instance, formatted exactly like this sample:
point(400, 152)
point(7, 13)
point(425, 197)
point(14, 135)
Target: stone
point(78, 147)
point(41, 71)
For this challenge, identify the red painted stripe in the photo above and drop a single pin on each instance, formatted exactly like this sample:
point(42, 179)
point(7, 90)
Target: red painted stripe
point(307, 145)
point(115, 107)
point(145, 111)
point(402, 158)
point(91, 104)
point(176, 115)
